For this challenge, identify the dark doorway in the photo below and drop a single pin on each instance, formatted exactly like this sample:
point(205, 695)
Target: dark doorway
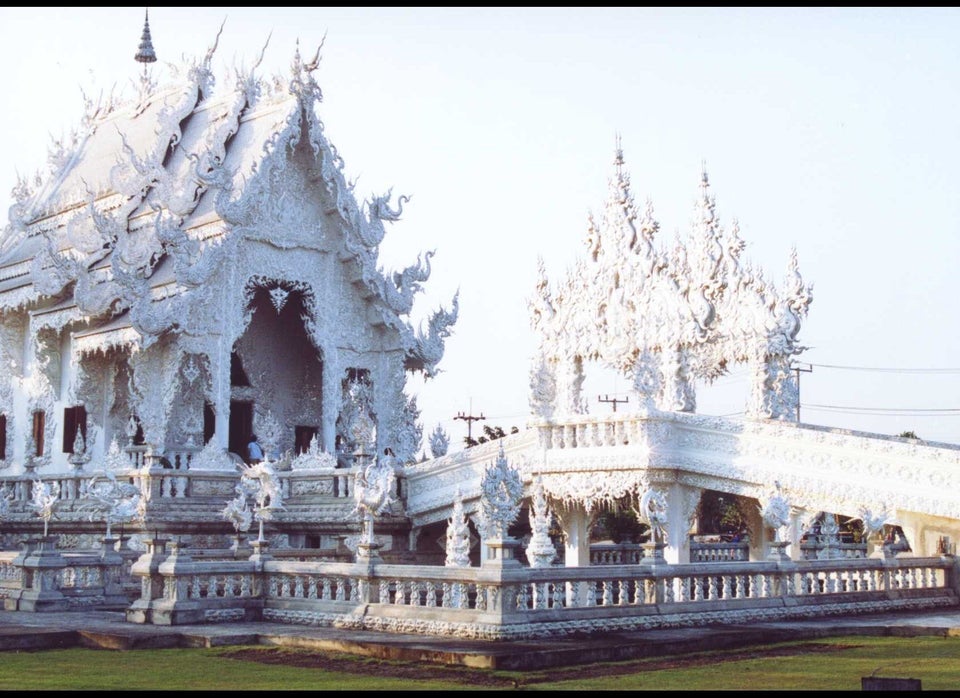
point(303, 435)
point(241, 427)
point(209, 422)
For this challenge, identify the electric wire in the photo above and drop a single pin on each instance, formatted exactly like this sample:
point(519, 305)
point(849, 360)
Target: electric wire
point(888, 370)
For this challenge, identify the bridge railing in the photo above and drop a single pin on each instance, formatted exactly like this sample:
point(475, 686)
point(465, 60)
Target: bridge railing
point(168, 488)
point(501, 603)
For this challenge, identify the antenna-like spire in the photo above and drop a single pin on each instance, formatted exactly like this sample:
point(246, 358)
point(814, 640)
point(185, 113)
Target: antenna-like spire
point(618, 155)
point(145, 53)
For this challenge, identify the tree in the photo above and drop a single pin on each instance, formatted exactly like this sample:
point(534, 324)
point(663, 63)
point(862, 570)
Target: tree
point(489, 434)
point(908, 435)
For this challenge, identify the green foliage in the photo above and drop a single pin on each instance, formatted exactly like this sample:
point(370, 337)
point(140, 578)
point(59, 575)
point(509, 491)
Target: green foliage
point(620, 525)
point(489, 434)
point(723, 513)
point(909, 435)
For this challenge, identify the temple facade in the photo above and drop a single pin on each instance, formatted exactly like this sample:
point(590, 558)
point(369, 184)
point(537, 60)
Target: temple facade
point(196, 269)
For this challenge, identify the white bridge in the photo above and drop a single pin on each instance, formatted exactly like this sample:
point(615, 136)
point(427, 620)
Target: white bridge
point(588, 461)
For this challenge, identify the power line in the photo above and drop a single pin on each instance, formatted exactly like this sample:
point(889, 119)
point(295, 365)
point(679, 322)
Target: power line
point(888, 370)
point(880, 411)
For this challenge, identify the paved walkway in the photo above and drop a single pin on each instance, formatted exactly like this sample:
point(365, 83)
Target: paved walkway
point(106, 629)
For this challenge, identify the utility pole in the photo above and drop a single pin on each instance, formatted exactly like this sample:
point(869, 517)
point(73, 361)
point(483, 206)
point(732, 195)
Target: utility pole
point(613, 400)
point(798, 370)
point(469, 419)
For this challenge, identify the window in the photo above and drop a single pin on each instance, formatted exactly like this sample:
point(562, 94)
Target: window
point(74, 419)
point(3, 437)
point(39, 421)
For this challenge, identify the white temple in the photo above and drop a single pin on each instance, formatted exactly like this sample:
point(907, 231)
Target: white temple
point(195, 268)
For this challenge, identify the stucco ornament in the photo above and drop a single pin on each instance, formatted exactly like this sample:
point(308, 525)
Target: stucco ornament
point(458, 535)
point(540, 550)
point(543, 390)
point(5, 498)
point(238, 514)
point(373, 489)
point(44, 499)
point(590, 488)
point(213, 457)
point(313, 458)
point(116, 459)
point(260, 482)
point(80, 454)
point(665, 318)
point(652, 510)
point(356, 424)
point(776, 512)
point(408, 432)
point(873, 520)
point(439, 442)
point(501, 492)
point(115, 501)
point(425, 350)
point(829, 538)
point(269, 432)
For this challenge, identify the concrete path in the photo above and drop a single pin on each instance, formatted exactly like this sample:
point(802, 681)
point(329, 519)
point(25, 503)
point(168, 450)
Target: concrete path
point(109, 630)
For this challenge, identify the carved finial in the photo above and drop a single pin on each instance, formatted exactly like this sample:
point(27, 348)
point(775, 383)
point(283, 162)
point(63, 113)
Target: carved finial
point(618, 155)
point(145, 53)
point(312, 65)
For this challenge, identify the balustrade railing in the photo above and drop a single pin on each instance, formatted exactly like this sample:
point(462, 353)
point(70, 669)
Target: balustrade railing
point(42, 578)
point(816, 550)
point(719, 552)
point(590, 432)
point(615, 553)
point(173, 484)
point(531, 602)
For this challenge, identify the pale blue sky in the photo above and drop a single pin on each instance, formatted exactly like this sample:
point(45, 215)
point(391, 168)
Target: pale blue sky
point(835, 130)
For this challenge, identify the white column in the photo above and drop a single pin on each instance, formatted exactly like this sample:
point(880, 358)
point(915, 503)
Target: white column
point(330, 401)
point(795, 533)
point(681, 510)
point(220, 369)
point(575, 523)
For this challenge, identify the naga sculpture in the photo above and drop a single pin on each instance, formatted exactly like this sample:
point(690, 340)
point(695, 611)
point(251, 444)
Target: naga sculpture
point(652, 510)
point(373, 489)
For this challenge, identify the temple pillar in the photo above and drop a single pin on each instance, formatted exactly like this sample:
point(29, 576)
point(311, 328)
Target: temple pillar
point(575, 522)
point(220, 378)
point(330, 402)
point(795, 533)
point(682, 504)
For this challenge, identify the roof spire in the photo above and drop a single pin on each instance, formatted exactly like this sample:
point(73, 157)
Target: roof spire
point(618, 155)
point(145, 53)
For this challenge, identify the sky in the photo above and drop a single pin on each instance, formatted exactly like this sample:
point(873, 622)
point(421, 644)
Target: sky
point(831, 130)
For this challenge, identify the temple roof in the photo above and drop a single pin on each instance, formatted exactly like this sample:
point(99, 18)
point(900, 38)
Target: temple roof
point(143, 186)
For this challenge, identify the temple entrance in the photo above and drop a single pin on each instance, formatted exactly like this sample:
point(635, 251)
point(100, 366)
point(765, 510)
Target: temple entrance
point(278, 372)
point(241, 427)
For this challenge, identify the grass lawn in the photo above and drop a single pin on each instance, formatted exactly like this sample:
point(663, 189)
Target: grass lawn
point(826, 664)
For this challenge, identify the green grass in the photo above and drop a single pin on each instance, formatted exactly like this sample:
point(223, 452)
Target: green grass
point(826, 664)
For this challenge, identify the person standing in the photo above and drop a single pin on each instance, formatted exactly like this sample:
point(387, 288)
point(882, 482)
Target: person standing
point(254, 451)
